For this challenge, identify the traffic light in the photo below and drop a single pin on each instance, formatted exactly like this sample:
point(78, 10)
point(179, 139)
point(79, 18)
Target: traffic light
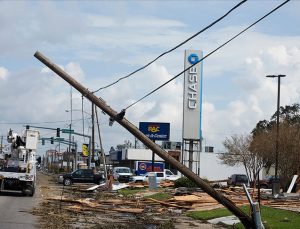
point(27, 127)
point(43, 141)
point(52, 140)
point(57, 132)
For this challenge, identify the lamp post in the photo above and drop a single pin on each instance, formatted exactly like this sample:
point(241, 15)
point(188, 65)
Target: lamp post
point(93, 134)
point(275, 185)
point(70, 135)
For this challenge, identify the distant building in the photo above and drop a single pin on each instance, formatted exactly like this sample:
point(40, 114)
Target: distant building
point(211, 166)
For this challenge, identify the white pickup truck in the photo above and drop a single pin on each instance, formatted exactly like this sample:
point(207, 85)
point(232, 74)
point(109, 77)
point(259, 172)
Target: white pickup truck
point(160, 176)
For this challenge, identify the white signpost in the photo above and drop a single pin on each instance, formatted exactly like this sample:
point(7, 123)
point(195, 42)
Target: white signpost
point(192, 95)
point(192, 109)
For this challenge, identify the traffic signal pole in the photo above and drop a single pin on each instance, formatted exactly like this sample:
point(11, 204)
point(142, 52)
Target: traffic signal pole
point(89, 137)
point(119, 117)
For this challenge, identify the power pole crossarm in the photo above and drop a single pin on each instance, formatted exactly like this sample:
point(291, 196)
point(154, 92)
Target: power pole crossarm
point(244, 218)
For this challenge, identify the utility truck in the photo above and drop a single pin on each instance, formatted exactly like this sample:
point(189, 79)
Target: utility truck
point(18, 166)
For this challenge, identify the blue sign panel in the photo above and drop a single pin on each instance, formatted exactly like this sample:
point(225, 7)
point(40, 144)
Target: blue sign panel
point(156, 130)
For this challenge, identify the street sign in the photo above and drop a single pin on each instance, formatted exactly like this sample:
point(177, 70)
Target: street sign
point(67, 131)
point(155, 130)
point(85, 150)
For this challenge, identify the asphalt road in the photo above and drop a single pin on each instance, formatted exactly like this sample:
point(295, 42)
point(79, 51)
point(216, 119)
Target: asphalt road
point(15, 211)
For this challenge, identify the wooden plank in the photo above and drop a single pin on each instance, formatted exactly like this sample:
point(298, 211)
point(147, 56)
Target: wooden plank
point(203, 205)
point(129, 210)
point(187, 198)
point(168, 204)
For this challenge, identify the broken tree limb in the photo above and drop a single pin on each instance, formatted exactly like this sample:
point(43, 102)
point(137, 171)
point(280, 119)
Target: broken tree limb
point(119, 117)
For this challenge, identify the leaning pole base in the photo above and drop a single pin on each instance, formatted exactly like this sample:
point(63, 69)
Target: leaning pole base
point(119, 117)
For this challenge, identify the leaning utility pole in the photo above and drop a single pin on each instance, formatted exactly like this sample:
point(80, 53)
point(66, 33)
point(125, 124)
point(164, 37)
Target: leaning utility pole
point(101, 146)
point(119, 117)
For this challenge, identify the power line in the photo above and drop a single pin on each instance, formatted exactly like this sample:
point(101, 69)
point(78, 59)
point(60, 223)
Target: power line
point(172, 49)
point(228, 41)
point(35, 123)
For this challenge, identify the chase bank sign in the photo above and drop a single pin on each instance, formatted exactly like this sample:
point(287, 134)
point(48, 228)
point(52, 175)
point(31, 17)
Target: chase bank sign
point(192, 94)
point(193, 82)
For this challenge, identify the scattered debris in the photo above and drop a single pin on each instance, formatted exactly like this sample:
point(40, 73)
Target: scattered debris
point(98, 206)
point(94, 187)
point(228, 220)
point(118, 186)
point(292, 183)
point(168, 204)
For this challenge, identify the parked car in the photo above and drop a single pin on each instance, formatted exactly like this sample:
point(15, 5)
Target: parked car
point(238, 180)
point(122, 174)
point(165, 175)
point(82, 176)
point(267, 182)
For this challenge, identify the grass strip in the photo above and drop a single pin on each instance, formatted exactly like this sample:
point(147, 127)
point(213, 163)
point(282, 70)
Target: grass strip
point(272, 218)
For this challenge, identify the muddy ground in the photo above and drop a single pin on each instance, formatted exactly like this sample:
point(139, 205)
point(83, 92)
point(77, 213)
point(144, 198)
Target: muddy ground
point(72, 207)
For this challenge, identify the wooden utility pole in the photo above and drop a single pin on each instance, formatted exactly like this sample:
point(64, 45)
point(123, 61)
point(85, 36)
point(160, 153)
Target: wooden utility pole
point(101, 147)
point(119, 117)
point(1, 144)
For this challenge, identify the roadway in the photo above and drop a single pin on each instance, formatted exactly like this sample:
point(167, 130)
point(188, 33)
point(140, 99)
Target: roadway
point(15, 211)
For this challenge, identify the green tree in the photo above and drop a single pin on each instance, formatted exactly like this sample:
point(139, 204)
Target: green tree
point(264, 139)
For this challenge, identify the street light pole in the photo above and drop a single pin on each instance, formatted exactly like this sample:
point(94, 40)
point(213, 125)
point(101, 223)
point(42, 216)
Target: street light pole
point(93, 135)
point(275, 188)
point(70, 135)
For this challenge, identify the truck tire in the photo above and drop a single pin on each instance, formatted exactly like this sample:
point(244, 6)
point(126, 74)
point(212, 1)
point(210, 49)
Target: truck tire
point(28, 190)
point(263, 186)
point(67, 182)
point(32, 191)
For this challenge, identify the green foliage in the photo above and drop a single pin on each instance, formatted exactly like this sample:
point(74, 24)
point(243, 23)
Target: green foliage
point(61, 170)
point(287, 114)
point(130, 192)
point(212, 214)
point(161, 196)
point(265, 135)
point(271, 217)
point(158, 196)
point(185, 182)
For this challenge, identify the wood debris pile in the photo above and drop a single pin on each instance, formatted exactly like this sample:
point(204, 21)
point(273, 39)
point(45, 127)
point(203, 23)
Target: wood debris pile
point(187, 201)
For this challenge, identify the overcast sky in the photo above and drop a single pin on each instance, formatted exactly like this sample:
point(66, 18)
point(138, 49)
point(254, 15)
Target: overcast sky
point(99, 41)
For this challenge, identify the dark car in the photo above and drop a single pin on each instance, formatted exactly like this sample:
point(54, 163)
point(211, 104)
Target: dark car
point(82, 176)
point(238, 180)
point(268, 182)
